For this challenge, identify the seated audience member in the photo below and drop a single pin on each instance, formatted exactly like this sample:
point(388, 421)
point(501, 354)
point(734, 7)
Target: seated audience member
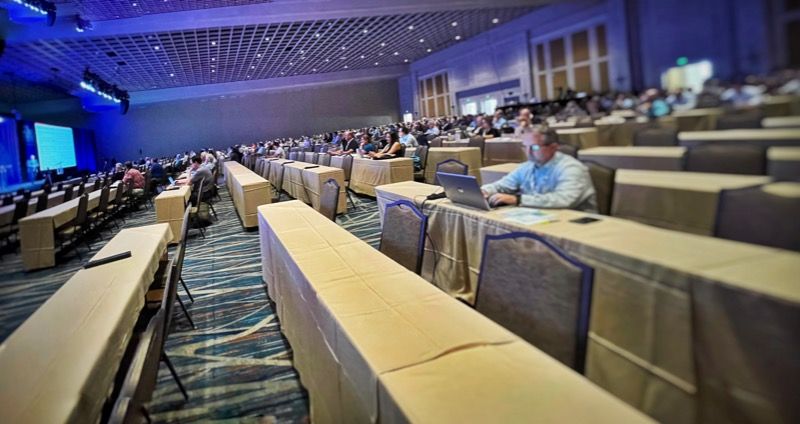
point(432, 129)
point(199, 174)
point(365, 146)
point(407, 139)
point(486, 129)
point(499, 119)
point(347, 144)
point(157, 174)
point(394, 148)
point(119, 172)
point(549, 179)
point(134, 179)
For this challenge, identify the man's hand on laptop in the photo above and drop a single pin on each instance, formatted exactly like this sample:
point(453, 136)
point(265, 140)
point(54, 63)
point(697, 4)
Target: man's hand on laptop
point(499, 199)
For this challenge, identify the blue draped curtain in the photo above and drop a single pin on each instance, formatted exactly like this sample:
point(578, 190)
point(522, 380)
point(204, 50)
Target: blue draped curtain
point(9, 152)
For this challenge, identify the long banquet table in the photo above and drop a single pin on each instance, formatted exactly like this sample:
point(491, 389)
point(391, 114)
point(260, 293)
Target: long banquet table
point(783, 162)
point(490, 174)
point(503, 150)
point(303, 181)
point(617, 133)
point(685, 201)
point(639, 157)
point(37, 231)
point(170, 207)
point(248, 191)
point(373, 342)
point(661, 300)
point(367, 173)
point(781, 122)
point(59, 365)
point(756, 137)
point(581, 138)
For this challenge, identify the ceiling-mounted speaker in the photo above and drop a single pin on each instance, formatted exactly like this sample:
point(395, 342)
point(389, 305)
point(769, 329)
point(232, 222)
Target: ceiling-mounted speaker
point(51, 17)
point(124, 105)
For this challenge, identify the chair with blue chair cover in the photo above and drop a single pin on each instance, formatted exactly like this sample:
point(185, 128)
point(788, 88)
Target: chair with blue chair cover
point(765, 214)
point(539, 292)
point(403, 234)
point(450, 166)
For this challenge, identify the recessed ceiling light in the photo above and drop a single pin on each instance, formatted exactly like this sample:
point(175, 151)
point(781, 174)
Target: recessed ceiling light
point(266, 38)
point(316, 35)
point(213, 70)
point(344, 48)
point(135, 4)
point(302, 51)
point(380, 54)
point(314, 70)
point(327, 60)
point(291, 63)
point(421, 40)
point(345, 66)
point(362, 56)
point(156, 48)
point(258, 55)
point(343, 58)
point(365, 31)
point(429, 50)
point(172, 75)
point(376, 63)
point(396, 53)
point(495, 20)
point(383, 44)
point(454, 24)
point(283, 73)
point(458, 37)
point(214, 58)
point(302, 57)
point(406, 60)
point(253, 67)
point(410, 27)
point(213, 43)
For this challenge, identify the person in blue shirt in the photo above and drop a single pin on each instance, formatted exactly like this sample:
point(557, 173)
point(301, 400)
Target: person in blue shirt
point(549, 179)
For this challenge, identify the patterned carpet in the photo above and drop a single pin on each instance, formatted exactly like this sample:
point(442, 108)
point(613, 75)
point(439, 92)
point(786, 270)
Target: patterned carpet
point(236, 365)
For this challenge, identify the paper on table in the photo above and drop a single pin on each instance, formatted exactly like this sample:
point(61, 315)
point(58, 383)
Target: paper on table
point(527, 216)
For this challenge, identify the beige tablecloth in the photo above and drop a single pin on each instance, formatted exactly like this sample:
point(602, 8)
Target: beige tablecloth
point(644, 314)
point(471, 156)
point(783, 162)
point(694, 119)
point(503, 150)
point(373, 342)
point(684, 201)
point(617, 134)
point(367, 173)
point(37, 231)
point(306, 184)
point(59, 365)
point(170, 208)
point(641, 157)
point(490, 174)
point(582, 138)
point(248, 191)
point(783, 122)
point(780, 106)
point(759, 137)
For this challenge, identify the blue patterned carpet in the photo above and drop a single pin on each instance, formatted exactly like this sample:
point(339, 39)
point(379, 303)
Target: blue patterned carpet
point(236, 365)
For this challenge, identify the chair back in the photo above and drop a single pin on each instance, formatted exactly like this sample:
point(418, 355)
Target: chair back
point(655, 137)
point(185, 226)
point(171, 281)
point(329, 199)
point(422, 153)
point(104, 198)
point(278, 184)
point(142, 374)
point(603, 181)
point(8, 200)
point(41, 202)
point(434, 141)
point(293, 155)
point(60, 187)
point(403, 234)
point(83, 210)
point(120, 191)
point(199, 194)
point(765, 214)
point(20, 210)
point(451, 166)
point(347, 166)
point(568, 149)
point(324, 159)
point(538, 292)
point(68, 193)
point(740, 120)
point(477, 141)
point(81, 188)
point(265, 169)
point(725, 159)
point(314, 157)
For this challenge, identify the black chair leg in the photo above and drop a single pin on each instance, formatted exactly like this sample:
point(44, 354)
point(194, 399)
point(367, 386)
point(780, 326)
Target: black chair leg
point(210, 205)
point(174, 374)
point(186, 289)
point(185, 312)
point(350, 197)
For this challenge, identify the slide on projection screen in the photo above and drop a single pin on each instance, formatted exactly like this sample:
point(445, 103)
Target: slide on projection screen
point(56, 147)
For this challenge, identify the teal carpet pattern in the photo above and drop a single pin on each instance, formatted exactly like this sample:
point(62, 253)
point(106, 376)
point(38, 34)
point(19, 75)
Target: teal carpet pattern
point(236, 365)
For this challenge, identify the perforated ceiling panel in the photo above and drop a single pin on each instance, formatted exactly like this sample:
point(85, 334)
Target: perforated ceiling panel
point(100, 10)
point(146, 61)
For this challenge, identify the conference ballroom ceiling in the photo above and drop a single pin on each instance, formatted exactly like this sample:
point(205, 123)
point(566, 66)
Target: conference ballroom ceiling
point(147, 46)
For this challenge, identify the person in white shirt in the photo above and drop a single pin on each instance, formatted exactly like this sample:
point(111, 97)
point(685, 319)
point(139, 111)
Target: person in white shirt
point(433, 129)
point(407, 139)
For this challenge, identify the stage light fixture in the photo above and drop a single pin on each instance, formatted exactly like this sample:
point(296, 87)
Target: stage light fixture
point(93, 83)
point(43, 7)
point(82, 25)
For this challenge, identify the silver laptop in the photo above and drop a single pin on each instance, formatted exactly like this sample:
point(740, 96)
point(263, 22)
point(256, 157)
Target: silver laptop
point(463, 189)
